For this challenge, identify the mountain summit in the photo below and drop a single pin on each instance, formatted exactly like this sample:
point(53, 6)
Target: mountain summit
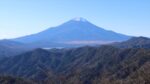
point(77, 31)
point(80, 19)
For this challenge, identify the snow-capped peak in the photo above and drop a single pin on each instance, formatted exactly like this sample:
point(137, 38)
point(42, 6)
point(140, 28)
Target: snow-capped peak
point(79, 19)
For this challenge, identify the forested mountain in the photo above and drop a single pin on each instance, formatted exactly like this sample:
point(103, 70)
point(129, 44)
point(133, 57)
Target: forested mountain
point(12, 80)
point(135, 42)
point(85, 65)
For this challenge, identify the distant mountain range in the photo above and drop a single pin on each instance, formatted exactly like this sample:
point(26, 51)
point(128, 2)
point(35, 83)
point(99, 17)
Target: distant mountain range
point(11, 48)
point(76, 32)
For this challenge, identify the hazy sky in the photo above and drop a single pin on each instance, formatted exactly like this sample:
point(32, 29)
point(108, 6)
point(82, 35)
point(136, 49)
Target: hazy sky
point(23, 17)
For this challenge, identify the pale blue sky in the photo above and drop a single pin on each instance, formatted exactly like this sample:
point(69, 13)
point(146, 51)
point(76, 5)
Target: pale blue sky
point(23, 17)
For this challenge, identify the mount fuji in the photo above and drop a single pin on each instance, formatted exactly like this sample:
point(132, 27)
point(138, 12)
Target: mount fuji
point(75, 32)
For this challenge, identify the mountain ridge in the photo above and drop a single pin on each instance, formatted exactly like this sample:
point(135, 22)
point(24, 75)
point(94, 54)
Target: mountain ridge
point(135, 42)
point(105, 64)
